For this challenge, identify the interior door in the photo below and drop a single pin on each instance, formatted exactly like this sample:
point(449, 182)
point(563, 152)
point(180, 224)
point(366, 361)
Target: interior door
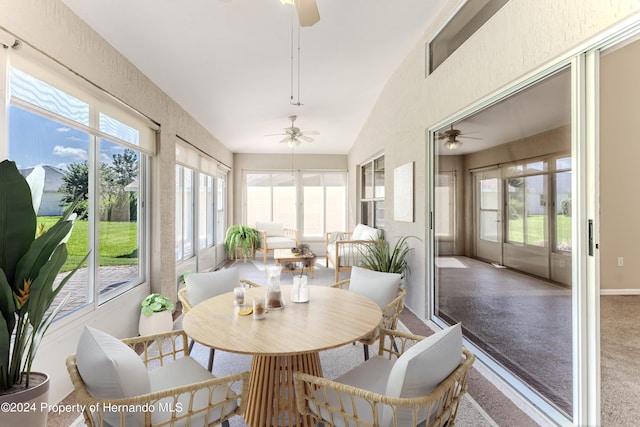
point(488, 215)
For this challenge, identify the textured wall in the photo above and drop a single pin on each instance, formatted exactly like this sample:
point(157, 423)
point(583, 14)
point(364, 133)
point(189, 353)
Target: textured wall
point(520, 38)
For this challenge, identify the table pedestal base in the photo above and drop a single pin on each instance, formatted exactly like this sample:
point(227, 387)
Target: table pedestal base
point(271, 400)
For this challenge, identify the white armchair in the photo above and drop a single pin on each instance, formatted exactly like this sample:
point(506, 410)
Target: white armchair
point(344, 247)
point(422, 387)
point(202, 286)
point(115, 388)
point(383, 288)
point(276, 236)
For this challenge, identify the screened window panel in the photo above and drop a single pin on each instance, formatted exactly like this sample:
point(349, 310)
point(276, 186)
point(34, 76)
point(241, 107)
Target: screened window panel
point(28, 88)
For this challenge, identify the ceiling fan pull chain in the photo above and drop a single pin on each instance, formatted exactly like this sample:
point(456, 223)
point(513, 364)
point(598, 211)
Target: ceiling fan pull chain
point(298, 103)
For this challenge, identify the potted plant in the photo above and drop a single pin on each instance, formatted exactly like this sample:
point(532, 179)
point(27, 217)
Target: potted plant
point(30, 260)
point(156, 315)
point(379, 256)
point(242, 240)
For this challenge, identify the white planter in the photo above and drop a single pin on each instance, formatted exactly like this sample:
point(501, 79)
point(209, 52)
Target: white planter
point(23, 408)
point(157, 323)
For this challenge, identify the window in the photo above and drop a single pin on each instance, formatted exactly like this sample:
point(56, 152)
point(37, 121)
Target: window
point(221, 203)
point(372, 193)
point(529, 188)
point(444, 196)
point(92, 150)
point(324, 203)
point(184, 213)
point(467, 20)
point(562, 205)
point(274, 196)
point(200, 202)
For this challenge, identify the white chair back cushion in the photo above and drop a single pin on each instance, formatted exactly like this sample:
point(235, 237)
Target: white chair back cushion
point(273, 228)
point(202, 286)
point(425, 365)
point(379, 286)
point(111, 370)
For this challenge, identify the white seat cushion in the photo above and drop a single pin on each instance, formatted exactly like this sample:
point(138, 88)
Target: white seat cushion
point(185, 371)
point(202, 286)
point(111, 370)
point(379, 286)
point(280, 243)
point(371, 375)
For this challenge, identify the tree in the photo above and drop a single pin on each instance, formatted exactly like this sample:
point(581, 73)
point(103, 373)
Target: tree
point(113, 180)
point(76, 187)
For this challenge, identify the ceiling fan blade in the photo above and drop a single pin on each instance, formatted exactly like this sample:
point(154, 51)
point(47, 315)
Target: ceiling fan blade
point(305, 138)
point(310, 132)
point(275, 134)
point(307, 12)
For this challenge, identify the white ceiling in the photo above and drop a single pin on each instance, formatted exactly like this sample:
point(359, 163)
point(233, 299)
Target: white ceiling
point(540, 107)
point(227, 63)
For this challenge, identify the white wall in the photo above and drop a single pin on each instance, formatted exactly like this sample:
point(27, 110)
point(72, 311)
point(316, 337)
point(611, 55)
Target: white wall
point(520, 38)
point(50, 27)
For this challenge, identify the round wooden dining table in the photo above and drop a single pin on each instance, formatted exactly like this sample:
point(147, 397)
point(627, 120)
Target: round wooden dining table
point(286, 341)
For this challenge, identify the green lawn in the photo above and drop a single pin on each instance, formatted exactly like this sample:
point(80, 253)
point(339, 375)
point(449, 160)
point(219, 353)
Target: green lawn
point(118, 242)
point(536, 230)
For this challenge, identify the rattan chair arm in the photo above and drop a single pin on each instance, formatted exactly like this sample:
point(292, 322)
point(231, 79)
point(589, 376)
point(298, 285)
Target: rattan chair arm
point(87, 401)
point(443, 399)
point(182, 296)
point(249, 283)
point(342, 284)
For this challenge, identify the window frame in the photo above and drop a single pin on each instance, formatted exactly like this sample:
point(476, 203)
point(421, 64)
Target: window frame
point(372, 206)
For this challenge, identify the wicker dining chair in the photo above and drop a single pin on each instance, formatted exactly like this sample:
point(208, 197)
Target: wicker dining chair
point(424, 385)
point(390, 310)
point(214, 287)
point(179, 391)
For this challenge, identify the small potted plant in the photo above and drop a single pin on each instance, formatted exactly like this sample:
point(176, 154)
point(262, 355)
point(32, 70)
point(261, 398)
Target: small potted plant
point(379, 256)
point(156, 315)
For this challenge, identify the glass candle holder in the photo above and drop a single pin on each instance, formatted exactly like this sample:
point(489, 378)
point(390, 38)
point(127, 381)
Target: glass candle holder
point(259, 308)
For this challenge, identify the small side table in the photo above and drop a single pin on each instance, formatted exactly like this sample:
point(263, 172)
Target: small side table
point(285, 255)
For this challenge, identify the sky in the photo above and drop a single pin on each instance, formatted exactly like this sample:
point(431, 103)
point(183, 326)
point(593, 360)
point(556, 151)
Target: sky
point(35, 140)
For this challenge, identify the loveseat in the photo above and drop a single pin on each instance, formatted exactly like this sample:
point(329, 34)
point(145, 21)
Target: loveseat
point(344, 248)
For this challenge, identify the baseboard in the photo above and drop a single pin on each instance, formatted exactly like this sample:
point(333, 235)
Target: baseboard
point(619, 291)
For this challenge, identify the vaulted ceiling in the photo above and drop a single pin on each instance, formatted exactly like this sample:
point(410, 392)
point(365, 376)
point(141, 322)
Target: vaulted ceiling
point(228, 62)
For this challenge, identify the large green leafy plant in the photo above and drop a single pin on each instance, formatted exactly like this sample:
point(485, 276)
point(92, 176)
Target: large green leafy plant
point(242, 240)
point(380, 256)
point(30, 261)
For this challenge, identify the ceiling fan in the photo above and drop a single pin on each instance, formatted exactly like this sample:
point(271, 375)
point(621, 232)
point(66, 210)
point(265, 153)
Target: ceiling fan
point(307, 11)
point(451, 136)
point(293, 135)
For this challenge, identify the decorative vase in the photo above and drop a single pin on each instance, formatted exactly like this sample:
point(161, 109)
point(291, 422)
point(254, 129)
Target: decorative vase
point(274, 298)
point(157, 323)
point(300, 289)
point(27, 407)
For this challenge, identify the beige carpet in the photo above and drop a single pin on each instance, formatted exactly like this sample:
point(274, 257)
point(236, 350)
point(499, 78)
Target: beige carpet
point(619, 363)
